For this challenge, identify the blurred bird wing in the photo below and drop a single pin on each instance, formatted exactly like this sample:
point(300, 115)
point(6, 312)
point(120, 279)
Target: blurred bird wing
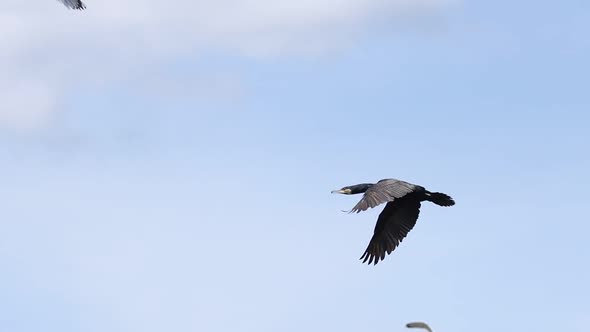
point(385, 190)
point(419, 325)
point(73, 4)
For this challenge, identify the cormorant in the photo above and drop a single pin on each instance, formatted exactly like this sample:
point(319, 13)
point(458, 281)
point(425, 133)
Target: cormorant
point(73, 4)
point(420, 325)
point(399, 215)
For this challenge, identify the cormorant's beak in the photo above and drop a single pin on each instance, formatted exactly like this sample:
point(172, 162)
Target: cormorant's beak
point(341, 191)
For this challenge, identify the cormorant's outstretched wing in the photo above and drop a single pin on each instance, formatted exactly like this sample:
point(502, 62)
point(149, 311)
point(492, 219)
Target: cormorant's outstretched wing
point(419, 325)
point(393, 225)
point(73, 4)
point(383, 191)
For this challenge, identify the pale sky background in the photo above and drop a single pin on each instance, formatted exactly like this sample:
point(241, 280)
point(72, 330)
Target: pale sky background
point(167, 166)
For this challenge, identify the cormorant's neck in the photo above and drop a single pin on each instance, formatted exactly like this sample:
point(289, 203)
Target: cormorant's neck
point(360, 188)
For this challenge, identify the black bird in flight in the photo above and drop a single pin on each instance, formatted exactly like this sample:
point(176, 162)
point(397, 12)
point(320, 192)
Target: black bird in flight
point(73, 4)
point(399, 215)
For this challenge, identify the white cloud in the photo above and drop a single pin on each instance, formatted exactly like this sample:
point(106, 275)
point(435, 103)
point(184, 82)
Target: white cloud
point(49, 50)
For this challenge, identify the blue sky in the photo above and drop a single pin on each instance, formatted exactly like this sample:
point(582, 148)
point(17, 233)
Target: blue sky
point(170, 170)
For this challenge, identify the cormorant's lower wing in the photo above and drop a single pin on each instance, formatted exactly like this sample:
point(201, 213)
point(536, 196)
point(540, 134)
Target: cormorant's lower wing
point(393, 225)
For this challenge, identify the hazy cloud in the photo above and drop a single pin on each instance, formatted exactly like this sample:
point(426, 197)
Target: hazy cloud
point(49, 51)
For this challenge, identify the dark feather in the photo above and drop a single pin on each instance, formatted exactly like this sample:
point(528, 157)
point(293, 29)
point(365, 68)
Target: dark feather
point(394, 223)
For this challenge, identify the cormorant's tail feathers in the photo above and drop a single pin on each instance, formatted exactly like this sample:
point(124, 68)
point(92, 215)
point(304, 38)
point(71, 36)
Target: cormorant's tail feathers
point(440, 199)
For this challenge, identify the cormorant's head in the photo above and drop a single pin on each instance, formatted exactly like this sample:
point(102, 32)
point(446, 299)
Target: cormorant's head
point(352, 190)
